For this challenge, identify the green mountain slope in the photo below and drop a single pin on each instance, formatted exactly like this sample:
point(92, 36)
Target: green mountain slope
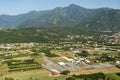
point(107, 20)
point(62, 17)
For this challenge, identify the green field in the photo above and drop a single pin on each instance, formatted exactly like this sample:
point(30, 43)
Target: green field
point(113, 76)
point(34, 74)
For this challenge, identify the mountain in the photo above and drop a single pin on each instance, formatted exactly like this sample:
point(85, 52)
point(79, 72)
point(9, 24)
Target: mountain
point(70, 16)
point(109, 19)
point(7, 21)
point(62, 17)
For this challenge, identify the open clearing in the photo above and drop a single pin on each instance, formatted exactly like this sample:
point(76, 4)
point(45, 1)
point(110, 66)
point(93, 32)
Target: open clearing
point(38, 74)
point(68, 54)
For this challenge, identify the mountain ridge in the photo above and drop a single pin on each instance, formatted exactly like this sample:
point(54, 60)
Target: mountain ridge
point(16, 20)
point(70, 16)
point(62, 17)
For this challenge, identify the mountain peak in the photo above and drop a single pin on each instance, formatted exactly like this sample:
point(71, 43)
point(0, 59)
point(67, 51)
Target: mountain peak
point(75, 6)
point(71, 5)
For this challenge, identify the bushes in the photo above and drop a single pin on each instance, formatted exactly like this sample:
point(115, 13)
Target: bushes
point(96, 76)
point(48, 53)
point(65, 72)
point(83, 54)
point(9, 78)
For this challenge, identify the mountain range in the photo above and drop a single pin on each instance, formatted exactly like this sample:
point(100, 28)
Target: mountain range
point(70, 16)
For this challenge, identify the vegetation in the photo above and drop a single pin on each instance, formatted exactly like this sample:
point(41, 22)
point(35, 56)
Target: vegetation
point(65, 72)
point(32, 75)
point(74, 16)
point(96, 76)
point(83, 54)
point(113, 76)
point(20, 65)
point(9, 78)
point(80, 36)
point(53, 34)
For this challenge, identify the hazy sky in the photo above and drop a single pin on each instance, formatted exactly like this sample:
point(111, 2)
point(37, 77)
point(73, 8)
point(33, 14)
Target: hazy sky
point(14, 7)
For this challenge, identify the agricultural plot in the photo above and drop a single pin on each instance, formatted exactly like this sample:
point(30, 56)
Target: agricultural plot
point(68, 54)
point(39, 61)
point(96, 70)
point(23, 58)
point(22, 65)
point(39, 74)
point(3, 69)
point(113, 76)
point(58, 59)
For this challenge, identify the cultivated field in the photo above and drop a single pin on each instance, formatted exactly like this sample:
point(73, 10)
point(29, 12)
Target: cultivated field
point(68, 54)
point(113, 76)
point(103, 70)
point(35, 74)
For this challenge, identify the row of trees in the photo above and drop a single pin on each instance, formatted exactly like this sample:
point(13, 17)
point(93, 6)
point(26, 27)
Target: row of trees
point(95, 76)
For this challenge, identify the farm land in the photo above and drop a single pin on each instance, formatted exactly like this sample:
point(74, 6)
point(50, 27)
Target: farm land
point(28, 61)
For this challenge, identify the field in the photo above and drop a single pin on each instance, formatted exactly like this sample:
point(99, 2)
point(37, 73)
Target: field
point(91, 51)
point(68, 54)
point(19, 65)
point(91, 71)
point(35, 74)
point(113, 76)
point(22, 58)
point(3, 69)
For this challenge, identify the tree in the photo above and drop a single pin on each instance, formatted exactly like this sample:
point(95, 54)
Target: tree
point(65, 72)
point(83, 54)
point(9, 78)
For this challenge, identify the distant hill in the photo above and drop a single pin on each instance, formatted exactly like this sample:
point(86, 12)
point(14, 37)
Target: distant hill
point(7, 21)
point(70, 16)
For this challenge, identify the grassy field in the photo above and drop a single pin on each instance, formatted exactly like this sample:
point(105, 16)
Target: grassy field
point(113, 76)
point(34, 74)
point(3, 66)
point(39, 61)
point(59, 60)
point(23, 58)
point(91, 51)
point(68, 54)
point(3, 69)
point(103, 70)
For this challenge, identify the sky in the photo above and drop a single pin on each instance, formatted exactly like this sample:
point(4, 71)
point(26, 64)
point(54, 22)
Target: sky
point(15, 7)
